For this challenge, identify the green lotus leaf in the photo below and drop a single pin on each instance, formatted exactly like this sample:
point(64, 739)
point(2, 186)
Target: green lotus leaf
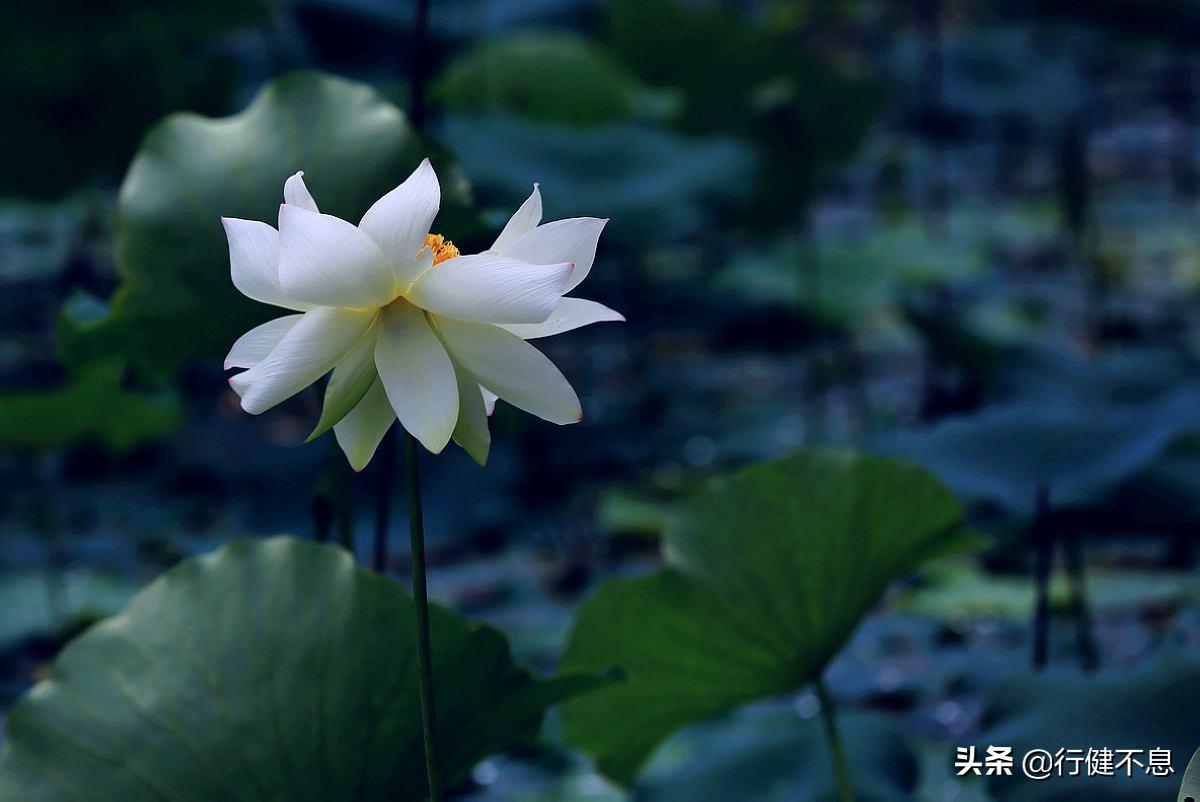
point(268, 670)
point(768, 573)
point(1004, 454)
point(176, 300)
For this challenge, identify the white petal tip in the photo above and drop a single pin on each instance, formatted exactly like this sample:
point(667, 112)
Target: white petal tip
point(298, 174)
point(433, 446)
point(250, 404)
point(567, 420)
point(245, 399)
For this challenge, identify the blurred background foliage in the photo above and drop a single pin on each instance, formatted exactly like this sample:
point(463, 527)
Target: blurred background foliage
point(960, 233)
point(82, 82)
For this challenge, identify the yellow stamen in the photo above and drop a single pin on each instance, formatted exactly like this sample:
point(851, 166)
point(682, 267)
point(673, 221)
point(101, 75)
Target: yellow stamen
point(442, 248)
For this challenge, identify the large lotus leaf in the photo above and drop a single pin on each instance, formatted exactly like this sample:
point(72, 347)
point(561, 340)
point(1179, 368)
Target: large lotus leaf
point(82, 80)
point(651, 182)
point(1153, 707)
point(769, 754)
point(268, 670)
point(176, 300)
point(92, 405)
point(552, 77)
point(769, 572)
point(1077, 452)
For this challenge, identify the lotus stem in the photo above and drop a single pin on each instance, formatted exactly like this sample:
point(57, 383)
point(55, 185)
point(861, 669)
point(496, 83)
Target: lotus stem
point(841, 769)
point(1043, 545)
point(416, 518)
point(416, 524)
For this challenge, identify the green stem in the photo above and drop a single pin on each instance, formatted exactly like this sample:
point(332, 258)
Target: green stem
point(416, 113)
point(841, 768)
point(416, 522)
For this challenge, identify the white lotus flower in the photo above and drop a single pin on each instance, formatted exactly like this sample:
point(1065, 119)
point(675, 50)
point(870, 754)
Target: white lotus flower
point(410, 328)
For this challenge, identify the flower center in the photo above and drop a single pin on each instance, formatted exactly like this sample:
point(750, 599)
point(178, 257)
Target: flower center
point(442, 248)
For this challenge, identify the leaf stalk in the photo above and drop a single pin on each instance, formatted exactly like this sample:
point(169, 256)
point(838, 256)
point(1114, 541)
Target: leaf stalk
point(841, 769)
point(416, 527)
